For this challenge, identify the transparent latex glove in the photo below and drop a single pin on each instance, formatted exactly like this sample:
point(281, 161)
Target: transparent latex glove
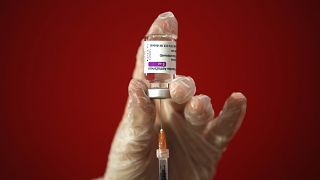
point(195, 138)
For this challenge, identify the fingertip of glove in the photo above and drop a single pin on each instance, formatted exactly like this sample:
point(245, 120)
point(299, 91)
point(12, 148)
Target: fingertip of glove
point(237, 99)
point(166, 15)
point(165, 23)
point(199, 103)
point(182, 89)
point(238, 95)
point(199, 110)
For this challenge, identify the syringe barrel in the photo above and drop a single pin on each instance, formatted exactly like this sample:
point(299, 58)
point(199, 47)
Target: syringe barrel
point(163, 155)
point(163, 169)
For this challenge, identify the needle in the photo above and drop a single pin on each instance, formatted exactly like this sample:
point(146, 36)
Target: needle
point(160, 113)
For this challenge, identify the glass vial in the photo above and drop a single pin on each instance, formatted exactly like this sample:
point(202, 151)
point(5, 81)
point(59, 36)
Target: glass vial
point(159, 63)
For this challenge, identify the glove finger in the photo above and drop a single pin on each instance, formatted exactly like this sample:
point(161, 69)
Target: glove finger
point(220, 131)
point(198, 112)
point(182, 89)
point(140, 109)
point(165, 23)
point(132, 141)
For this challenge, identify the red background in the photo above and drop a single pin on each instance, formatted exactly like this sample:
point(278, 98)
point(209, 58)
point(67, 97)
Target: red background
point(65, 67)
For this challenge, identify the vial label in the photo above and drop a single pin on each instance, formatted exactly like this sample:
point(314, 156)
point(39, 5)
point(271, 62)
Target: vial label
point(160, 57)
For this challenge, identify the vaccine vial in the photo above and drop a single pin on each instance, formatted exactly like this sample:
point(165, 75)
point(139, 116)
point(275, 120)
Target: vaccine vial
point(159, 63)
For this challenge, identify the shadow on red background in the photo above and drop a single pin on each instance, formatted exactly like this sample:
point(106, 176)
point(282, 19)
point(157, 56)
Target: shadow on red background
point(65, 67)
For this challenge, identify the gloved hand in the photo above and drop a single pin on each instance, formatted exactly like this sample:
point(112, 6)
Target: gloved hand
point(195, 138)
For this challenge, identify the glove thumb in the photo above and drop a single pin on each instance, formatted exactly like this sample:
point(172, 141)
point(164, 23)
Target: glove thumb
point(130, 151)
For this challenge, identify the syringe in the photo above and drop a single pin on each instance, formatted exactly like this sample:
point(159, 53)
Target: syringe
point(163, 155)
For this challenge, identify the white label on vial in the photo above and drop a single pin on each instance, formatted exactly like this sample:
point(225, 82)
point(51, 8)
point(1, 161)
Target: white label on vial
point(160, 57)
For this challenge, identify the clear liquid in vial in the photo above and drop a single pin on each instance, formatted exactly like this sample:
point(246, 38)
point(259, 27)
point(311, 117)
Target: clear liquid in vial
point(160, 80)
